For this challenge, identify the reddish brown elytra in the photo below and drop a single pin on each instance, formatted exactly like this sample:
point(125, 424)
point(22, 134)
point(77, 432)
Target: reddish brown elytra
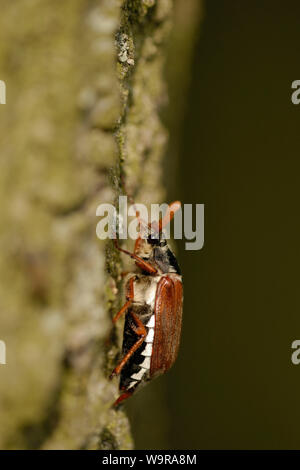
point(153, 308)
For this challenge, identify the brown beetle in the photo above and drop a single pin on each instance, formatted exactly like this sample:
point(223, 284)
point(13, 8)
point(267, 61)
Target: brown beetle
point(154, 298)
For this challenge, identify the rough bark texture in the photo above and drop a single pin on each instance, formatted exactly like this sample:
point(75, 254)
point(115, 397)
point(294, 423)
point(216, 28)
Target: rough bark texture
point(84, 88)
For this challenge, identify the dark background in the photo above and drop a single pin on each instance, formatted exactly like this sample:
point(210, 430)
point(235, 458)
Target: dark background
point(234, 385)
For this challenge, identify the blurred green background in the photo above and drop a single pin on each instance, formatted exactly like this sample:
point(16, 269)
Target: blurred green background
point(234, 385)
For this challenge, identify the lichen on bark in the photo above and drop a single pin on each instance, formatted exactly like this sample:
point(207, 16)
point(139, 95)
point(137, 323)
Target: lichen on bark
point(84, 89)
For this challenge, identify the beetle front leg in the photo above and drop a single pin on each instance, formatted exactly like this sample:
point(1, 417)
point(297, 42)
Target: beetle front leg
point(141, 331)
point(129, 297)
point(142, 263)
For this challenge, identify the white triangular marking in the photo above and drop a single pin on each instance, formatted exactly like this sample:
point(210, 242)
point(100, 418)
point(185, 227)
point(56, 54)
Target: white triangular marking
point(138, 375)
point(150, 336)
point(151, 322)
point(132, 384)
point(146, 363)
point(148, 350)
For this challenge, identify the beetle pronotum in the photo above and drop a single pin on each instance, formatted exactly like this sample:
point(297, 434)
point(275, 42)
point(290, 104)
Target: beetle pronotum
point(153, 308)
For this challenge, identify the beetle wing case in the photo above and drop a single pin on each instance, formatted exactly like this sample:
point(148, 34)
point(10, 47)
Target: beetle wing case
point(168, 319)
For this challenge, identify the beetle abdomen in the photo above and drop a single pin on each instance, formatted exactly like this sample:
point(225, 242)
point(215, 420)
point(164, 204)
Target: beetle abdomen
point(161, 315)
point(137, 369)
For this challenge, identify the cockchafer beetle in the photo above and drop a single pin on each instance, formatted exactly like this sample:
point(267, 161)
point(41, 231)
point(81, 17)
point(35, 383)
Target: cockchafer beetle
point(154, 298)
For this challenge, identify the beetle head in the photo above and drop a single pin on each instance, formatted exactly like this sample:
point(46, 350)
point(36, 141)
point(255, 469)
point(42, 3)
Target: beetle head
point(153, 247)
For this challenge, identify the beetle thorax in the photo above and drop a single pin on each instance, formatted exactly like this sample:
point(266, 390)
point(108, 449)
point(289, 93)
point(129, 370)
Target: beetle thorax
point(158, 254)
point(145, 250)
point(145, 289)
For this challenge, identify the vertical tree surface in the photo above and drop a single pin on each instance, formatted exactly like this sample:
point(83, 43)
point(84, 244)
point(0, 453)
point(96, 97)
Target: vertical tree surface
point(84, 91)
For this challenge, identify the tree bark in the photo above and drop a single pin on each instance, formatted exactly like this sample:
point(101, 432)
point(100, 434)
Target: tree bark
point(84, 89)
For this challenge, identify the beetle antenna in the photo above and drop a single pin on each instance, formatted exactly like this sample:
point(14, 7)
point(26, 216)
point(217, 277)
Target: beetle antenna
point(172, 208)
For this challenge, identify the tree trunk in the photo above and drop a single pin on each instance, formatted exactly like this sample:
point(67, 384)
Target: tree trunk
point(84, 86)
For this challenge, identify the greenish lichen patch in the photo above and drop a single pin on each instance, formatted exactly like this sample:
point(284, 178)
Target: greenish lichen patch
point(107, 440)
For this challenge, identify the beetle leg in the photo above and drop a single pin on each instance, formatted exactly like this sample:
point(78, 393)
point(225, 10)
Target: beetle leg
point(123, 397)
point(124, 274)
point(141, 331)
point(137, 244)
point(127, 304)
point(142, 263)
